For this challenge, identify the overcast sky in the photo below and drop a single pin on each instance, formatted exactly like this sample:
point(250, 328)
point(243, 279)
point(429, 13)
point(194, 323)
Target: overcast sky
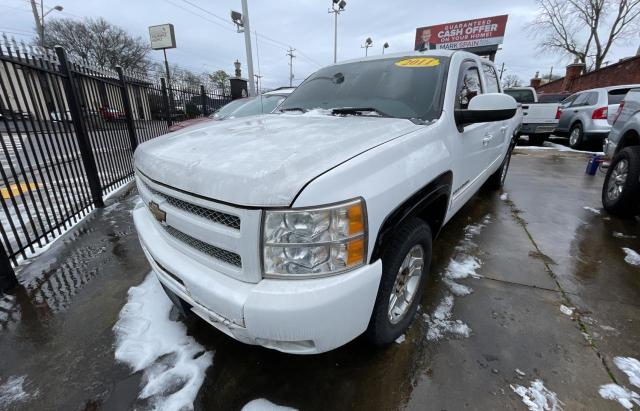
point(207, 43)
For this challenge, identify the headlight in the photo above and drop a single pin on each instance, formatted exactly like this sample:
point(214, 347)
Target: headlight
point(314, 242)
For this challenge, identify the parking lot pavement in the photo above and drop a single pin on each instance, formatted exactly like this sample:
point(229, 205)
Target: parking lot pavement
point(529, 294)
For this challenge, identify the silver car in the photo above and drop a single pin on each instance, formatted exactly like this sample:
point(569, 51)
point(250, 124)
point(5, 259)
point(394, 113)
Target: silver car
point(587, 115)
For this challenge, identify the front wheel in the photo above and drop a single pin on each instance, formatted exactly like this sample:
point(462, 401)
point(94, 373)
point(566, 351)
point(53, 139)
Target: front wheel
point(405, 266)
point(621, 189)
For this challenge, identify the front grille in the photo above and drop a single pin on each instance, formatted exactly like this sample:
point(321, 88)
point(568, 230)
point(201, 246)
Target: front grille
point(225, 219)
point(211, 250)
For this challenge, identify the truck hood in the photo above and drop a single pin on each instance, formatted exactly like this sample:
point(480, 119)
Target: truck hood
point(261, 161)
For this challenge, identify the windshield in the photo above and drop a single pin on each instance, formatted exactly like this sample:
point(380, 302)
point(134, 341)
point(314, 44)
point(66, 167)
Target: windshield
point(397, 87)
point(259, 105)
point(229, 108)
point(521, 96)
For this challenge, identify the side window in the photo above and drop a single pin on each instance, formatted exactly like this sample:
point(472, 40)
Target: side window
point(493, 85)
point(581, 100)
point(567, 101)
point(592, 100)
point(468, 86)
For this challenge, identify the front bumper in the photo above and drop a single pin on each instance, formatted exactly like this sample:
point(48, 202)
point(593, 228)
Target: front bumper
point(294, 316)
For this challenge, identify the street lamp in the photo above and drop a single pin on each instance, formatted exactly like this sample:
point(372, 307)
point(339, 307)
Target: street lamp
point(385, 46)
point(336, 7)
point(43, 14)
point(367, 43)
point(241, 20)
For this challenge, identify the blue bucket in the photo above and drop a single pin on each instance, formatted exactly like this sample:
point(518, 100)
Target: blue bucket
point(593, 164)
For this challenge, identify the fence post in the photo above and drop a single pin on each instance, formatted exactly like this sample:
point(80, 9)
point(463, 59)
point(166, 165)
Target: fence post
point(82, 136)
point(203, 99)
point(128, 112)
point(165, 99)
point(8, 280)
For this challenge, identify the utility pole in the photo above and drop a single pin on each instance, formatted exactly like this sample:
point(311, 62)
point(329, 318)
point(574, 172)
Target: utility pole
point(551, 73)
point(336, 7)
point(291, 57)
point(247, 43)
point(501, 70)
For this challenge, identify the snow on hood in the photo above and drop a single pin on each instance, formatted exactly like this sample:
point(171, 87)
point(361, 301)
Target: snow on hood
point(264, 160)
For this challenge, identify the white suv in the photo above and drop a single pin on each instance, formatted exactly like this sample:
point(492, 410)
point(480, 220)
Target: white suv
point(301, 230)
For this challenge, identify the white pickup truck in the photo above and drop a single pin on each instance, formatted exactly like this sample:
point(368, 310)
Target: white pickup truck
point(539, 119)
point(302, 229)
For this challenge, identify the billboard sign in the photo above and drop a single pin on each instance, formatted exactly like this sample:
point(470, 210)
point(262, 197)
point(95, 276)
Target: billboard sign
point(488, 31)
point(162, 37)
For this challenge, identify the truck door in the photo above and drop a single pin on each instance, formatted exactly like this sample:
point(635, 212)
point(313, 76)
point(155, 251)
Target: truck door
point(471, 144)
point(499, 134)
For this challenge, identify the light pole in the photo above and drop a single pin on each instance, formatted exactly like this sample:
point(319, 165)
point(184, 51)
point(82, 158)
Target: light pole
point(336, 7)
point(367, 43)
point(385, 46)
point(40, 18)
point(241, 20)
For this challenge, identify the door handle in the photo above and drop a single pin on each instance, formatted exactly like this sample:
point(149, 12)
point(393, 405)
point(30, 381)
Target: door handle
point(487, 138)
point(503, 129)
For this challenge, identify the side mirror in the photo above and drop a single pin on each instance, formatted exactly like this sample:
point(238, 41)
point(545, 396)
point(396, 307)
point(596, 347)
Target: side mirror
point(488, 107)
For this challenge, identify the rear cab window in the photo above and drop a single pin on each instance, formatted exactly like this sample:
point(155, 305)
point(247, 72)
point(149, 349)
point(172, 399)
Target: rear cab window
point(521, 96)
point(491, 78)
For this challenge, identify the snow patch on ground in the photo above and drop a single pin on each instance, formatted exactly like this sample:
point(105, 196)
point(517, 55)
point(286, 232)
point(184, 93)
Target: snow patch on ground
point(13, 391)
point(462, 265)
point(625, 397)
point(504, 196)
point(537, 397)
point(174, 363)
point(631, 257)
point(614, 392)
point(566, 310)
point(440, 322)
point(593, 210)
point(623, 235)
point(553, 146)
point(265, 405)
point(629, 366)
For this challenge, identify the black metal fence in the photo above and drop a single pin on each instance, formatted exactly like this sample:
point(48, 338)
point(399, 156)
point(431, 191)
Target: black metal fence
point(68, 131)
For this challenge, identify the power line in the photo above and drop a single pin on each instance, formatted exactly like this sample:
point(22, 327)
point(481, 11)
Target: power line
point(200, 15)
point(207, 11)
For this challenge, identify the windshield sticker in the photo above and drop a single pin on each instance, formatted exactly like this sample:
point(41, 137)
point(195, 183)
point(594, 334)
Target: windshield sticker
point(418, 62)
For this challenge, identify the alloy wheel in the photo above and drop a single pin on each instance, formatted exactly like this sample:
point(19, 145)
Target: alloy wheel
point(574, 136)
point(406, 284)
point(617, 179)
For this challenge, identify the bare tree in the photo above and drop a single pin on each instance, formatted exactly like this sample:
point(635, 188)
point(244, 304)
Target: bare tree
point(511, 80)
point(220, 80)
point(585, 29)
point(99, 42)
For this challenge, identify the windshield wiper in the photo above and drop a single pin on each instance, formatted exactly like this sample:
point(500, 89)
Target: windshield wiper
point(357, 111)
point(304, 110)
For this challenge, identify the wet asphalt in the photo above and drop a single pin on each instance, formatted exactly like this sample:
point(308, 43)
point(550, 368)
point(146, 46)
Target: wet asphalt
point(540, 249)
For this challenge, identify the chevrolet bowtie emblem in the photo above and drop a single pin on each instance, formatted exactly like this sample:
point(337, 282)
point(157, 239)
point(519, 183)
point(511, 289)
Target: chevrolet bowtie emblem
point(157, 213)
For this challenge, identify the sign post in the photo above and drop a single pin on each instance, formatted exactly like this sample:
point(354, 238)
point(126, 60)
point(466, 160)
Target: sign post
point(480, 36)
point(163, 37)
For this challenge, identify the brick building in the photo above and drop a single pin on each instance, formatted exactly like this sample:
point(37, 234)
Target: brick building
point(623, 72)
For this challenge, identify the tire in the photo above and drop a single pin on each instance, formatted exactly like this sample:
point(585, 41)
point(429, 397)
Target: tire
point(537, 139)
point(621, 188)
point(497, 179)
point(576, 141)
point(412, 235)
point(184, 309)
